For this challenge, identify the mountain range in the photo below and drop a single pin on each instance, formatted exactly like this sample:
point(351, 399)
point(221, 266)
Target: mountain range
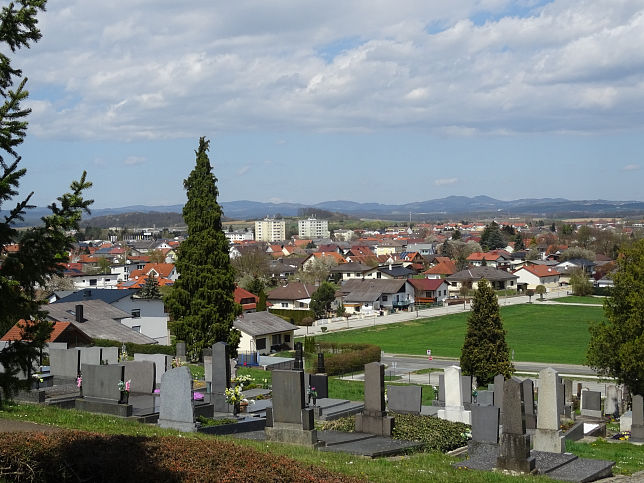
point(442, 208)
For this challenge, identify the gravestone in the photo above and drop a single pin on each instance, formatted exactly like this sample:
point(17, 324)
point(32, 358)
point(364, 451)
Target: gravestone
point(320, 368)
point(528, 404)
point(90, 355)
point(207, 370)
point(289, 420)
point(485, 425)
point(466, 388)
point(561, 398)
point(591, 404)
point(548, 436)
point(141, 376)
point(499, 382)
point(176, 409)
point(611, 402)
point(454, 410)
point(514, 447)
point(181, 351)
point(637, 424)
point(101, 393)
point(321, 384)
point(162, 363)
point(110, 355)
point(298, 363)
point(64, 362)
point(567, 391)
point(441, 389)
point(374, 419)
point(404, 399)
point(485, 398)
point(220, 367)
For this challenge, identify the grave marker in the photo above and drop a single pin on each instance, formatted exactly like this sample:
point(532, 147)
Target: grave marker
point(548, 436)
point(176, 410)
point(373, 419)
point(404, 399)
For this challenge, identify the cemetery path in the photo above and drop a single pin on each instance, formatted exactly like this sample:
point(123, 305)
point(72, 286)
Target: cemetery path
point(11, 426)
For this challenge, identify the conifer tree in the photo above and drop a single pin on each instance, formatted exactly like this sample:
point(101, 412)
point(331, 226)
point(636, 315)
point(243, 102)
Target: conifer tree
point(42, 250)
point(202, 299)
point(485, 352)
point(151, 288)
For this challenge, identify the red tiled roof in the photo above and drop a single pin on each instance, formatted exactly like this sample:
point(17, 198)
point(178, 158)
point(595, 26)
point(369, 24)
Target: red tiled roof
point(15, 333)
point(426, 283)
point(445, 267)
point(540, 270)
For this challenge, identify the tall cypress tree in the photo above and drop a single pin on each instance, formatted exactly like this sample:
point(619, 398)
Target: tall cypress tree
point(202, 299)
point(485, 352)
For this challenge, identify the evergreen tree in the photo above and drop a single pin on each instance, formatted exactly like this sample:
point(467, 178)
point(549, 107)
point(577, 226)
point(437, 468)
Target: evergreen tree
point(485, 352)
point(491, 239)
point(322, 299)
point(616, 346)
point(151, 288)
point(44, 249)
point(518, 242)
point(202, 300)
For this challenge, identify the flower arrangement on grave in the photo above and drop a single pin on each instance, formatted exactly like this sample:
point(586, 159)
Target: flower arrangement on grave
point(124, 386)
point(197, 396)
point(242, 380)
point(313, 394)
point(233, 395)
point(176, 362)
point(37, 377)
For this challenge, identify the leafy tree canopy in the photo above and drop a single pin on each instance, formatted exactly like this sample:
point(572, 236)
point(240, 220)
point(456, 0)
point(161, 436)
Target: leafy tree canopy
point(322, 299)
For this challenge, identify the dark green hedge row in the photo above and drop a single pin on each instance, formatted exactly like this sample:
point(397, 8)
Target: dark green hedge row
point(294, 316)
point(140, 348)
point(343, 358)
point(605, 291)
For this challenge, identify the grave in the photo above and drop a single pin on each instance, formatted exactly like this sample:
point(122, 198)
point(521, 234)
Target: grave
point(466, 388)
point(454, 410)
point(485, 398)
point(637, 424)
point(176, 408)
point(101, 393)
point(567, 391)
point(320, 367)
point(591, 404)
point(404, 399)
point(611, 407)
point(373, 419)
point(141, 376)
point(220, 370)
point(528, 403)
point(64, 363)
point(485, 433)
point(180, 349)
point(321, 384)
point(441, 389)
point(514, 447)
point(548, 436)
point(289, 420)
point(298, 363)
point(162, 363)
point(499, 382)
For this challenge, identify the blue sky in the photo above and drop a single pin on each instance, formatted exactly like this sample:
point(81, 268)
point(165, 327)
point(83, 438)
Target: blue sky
point(367, 101)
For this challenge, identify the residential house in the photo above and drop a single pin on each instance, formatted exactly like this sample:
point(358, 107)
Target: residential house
point(281, 269)
point(396, 271)
point(264, 332)
point(425, 249)
point(530, 276)
point(469, 278)
point(97, 319)
point(374, 295)
point(429, 290)
point(330, 258)
point(496, 259)
point(101, 280)
point(61, 332)
point(145, 316)
point(569, 266)
point(247, 300)
point(444, 267)
point(293, 296)
point(350, 270)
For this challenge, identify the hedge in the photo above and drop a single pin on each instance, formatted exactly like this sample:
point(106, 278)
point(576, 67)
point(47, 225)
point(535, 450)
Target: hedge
point(131, 347)
point(605, 291)
point(342, 358)
point(83, 456)
point(294, 316)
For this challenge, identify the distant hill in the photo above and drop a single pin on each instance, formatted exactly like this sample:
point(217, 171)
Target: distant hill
point(449, 207)
point(135, 219)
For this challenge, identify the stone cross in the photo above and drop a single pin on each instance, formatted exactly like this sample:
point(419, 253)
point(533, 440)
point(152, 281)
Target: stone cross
point(548, 435)
point(514, 448)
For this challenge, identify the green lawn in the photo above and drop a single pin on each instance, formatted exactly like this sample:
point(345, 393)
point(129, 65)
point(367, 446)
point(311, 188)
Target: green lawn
point(537, 333)
point(574, 299)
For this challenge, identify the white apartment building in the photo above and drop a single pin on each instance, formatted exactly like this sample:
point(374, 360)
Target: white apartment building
point(270, 230)
point(240, 235)
point(313, 228)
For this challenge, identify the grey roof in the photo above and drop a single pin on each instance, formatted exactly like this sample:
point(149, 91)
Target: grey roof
point(477, 273)
point(105, 294)
point(350, 267)
point(397, 271)
point(262, 323)
point(358, 290)
point(292, 291)
point(101, 320)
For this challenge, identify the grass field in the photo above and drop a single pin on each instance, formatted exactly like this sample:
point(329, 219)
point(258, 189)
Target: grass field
point(574, 299)
point(537, 333)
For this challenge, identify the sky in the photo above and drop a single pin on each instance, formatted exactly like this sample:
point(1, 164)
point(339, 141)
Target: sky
point(363, 100)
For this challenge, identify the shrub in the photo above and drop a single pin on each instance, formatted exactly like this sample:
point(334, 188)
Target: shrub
point(83, 456)
point(140, 348)
point(293, 316)
point(342, 358)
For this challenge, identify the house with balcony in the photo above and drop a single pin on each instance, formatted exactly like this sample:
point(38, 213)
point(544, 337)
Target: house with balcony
point(469, 278)
point(429, 290)
point(369, 296)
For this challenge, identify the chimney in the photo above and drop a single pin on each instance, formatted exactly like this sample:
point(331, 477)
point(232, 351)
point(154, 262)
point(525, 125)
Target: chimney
point(79, 314)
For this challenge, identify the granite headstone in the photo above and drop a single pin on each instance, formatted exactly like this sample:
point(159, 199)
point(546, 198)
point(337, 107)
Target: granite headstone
point(176, 410)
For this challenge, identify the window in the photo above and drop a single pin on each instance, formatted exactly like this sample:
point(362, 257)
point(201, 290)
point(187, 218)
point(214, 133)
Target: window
point(284, 304)
point(260, 344)
point(276, 339)
point(136, 313)
point(92, 282)
point(379, 275)
point(287, 338)
point(384, 298)
point(137, 328)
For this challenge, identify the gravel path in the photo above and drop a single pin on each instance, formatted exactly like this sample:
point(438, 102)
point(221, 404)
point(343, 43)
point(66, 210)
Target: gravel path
point(11, 425)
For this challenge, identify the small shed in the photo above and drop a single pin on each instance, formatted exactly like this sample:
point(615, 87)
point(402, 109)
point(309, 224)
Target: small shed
point(264, 332)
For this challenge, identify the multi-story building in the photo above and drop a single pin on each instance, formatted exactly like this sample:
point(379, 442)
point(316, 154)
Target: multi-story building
point(270, 230)
point(313, 228)
point(240, 235)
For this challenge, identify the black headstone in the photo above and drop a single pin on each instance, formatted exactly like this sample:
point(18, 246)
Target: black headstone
point(320, 369)
point(298, 364)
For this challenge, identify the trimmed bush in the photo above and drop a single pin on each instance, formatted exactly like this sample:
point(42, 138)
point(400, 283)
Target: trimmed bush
point(435, 434)
point(342, 358)
point(295, 317)
point(131, 347)
point(83, 456)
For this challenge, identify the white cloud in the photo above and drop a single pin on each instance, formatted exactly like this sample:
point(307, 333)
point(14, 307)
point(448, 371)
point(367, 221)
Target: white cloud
point(134, 160)
point(243, 170)
point(165, 71)
point(445, 181)
point(631, 167)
